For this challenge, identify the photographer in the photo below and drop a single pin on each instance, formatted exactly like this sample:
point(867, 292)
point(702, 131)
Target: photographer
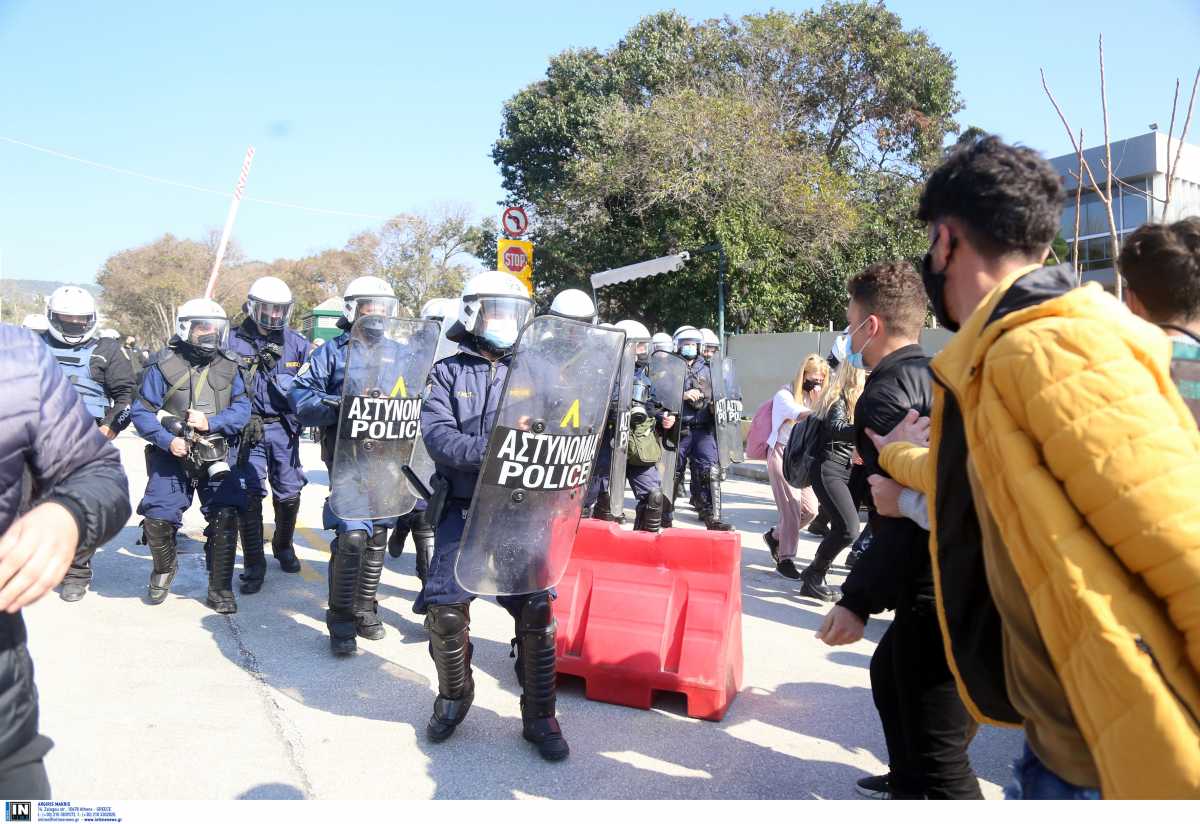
point(192, 406)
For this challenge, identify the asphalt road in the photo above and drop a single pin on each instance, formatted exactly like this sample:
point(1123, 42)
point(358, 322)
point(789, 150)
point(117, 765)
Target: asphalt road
point(177, 702)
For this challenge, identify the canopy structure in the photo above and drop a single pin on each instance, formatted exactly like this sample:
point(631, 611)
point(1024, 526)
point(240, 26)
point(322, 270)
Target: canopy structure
point(637, 271)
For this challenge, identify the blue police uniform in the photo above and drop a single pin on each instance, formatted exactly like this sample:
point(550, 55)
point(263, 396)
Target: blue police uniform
point(269, 373)
point(357, 552)
point(180, 380)
point(459, 412)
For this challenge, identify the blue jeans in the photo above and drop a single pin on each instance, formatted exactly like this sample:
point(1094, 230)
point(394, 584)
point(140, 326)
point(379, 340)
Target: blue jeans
point(1032, 781)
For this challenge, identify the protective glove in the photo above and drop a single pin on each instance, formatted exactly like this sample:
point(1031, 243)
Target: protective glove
point(270, 355)
point(253, 433)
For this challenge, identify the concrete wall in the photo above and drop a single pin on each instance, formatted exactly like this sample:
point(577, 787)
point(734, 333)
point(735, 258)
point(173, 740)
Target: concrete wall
point(766, 362)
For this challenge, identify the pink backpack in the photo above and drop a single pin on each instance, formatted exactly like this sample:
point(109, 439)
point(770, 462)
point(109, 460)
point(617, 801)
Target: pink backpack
point(760, 430)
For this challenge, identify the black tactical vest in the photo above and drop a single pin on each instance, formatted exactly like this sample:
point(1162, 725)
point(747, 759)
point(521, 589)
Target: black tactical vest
point(211, 395)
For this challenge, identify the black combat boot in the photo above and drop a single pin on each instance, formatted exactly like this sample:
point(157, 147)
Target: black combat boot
point(650, 512)
point(285, 528)
point(602, 510)
point(160, 538)
point(399, 535)
point(710, 502)
point(343, 582)
point(450, 647)
point(536, 629)
point(254, 560)
point(224, 555)
point(366, 608)
point(423, 535)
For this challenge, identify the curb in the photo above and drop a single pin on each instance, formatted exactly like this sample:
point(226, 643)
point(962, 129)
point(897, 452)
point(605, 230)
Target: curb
point(750, 470)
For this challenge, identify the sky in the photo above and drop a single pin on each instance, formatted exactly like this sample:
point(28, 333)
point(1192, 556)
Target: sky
point(376, 108)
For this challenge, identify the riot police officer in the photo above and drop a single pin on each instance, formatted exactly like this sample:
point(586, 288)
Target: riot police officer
point(698, 440)
point(270, 355)
point(191, 408)
point(357, 551)
point(416, 522)
point(102, 375)
point(646, 417)
point(460, 410)
point(710, 344)
point(661, 342)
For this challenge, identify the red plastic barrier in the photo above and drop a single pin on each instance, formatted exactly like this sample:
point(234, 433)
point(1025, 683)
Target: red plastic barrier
point(639, 612)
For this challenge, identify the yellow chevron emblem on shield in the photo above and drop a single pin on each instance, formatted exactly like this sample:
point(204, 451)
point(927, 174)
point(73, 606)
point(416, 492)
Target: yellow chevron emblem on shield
point(572, 417)
point(399, 387)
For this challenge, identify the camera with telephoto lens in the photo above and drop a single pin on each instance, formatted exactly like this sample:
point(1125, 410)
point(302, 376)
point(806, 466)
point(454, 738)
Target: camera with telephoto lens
point(207, 454)
point(637, 409)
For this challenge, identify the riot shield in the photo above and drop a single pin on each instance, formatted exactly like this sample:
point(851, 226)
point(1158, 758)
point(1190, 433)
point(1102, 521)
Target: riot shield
point(727, 411)
point(387, 364)
point(668, 373)
point(623, 397)
point(422, 464)
point(539, 458)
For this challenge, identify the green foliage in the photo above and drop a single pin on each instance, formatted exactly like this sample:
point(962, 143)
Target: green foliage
point(795, 141)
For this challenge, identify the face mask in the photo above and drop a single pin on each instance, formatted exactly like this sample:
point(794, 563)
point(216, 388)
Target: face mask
point(372, 327)
point(810, 385)
point(206, 342)
point(855, 359)
point(688, 350)
point(500, 333)
point(642, 359)
point(935, 289)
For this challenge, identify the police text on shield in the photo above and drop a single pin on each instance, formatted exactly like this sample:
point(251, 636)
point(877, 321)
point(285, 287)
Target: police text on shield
point(530, 460)
point(383, 418)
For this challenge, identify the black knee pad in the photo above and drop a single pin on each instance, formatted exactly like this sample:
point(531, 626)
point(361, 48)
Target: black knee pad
point(448, 619)
point(353, 542)
point(378, 537)
point(225, 517)
point(536, 613)
point(156, 531)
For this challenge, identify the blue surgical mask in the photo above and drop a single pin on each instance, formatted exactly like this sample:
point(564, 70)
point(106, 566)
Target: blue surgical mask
point(688, 350)
point(855, 359)
point(501, 333)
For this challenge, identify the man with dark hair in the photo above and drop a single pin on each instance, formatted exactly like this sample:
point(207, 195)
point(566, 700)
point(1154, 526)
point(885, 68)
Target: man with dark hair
point(1161, 264)
point(1063, 480)
point(926, 727)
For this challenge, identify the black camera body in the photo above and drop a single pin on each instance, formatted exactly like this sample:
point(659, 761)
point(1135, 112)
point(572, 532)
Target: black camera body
point(207, 454)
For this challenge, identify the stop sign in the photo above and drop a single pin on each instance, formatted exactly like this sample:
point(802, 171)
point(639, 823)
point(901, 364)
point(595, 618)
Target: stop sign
point(515, 259)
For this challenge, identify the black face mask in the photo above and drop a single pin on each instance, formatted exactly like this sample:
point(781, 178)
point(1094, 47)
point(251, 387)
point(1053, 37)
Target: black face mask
point(935, 288)
point(811, 385)
point(206, 343)
point(372, 327)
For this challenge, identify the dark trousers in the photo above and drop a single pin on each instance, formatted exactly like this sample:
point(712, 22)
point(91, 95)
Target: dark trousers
point(26, 782)
point(926, 726)
point(831, 483)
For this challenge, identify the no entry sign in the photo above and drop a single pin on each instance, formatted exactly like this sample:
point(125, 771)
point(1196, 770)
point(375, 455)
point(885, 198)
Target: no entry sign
point(516, 258)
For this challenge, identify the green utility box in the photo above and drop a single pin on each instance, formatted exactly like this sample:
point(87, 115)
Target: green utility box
point(321, 323)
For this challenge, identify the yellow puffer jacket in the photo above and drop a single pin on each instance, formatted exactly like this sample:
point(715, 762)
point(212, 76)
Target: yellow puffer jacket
point(1089, 462)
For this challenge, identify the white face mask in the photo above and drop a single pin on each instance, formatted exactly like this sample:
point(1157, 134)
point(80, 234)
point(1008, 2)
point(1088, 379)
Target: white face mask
point(500, 332)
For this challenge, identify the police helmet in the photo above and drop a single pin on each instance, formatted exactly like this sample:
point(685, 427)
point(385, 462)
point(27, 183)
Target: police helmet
point(574, 304)
point(71, 314)
point(438, 309)
point(369, 295)
point(202, 323)
point(269, 303)
point(493, 307)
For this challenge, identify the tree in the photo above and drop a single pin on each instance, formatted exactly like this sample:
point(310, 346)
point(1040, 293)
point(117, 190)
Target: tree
point(142, 287)
point(774, 134)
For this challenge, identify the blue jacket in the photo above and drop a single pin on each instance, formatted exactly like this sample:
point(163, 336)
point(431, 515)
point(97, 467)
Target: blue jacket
point(458, 414)
point(269, 392)
point(699, 377)
point(50, 450)
point(320, 378)
point(228, 422)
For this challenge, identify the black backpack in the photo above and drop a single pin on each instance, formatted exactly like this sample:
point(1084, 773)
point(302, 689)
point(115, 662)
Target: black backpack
point(802, 445)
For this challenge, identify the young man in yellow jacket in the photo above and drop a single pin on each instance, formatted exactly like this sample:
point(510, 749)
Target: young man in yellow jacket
point(1063, 484)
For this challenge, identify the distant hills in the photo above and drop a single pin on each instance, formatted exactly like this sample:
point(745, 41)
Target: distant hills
point(21, 296)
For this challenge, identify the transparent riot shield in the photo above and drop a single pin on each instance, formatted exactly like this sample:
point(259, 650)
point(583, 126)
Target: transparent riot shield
point(539, 458)
point(623, 399)
point(668, 373)
point(387, 364)
point(727, 411)
point(422, 464)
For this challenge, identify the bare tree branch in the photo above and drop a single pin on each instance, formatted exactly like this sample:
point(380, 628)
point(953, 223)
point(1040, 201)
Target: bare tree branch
point(1112, 222)
point(1078, 203)
point(1170, 133)
point(1173, 168)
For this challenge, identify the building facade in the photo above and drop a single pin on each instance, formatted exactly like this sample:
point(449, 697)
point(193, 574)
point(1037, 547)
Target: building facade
point(1139, 189)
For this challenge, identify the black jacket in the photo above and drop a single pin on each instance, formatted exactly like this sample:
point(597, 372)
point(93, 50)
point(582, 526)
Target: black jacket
point(837, 435)
point(50, 450)
point(895, 571)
